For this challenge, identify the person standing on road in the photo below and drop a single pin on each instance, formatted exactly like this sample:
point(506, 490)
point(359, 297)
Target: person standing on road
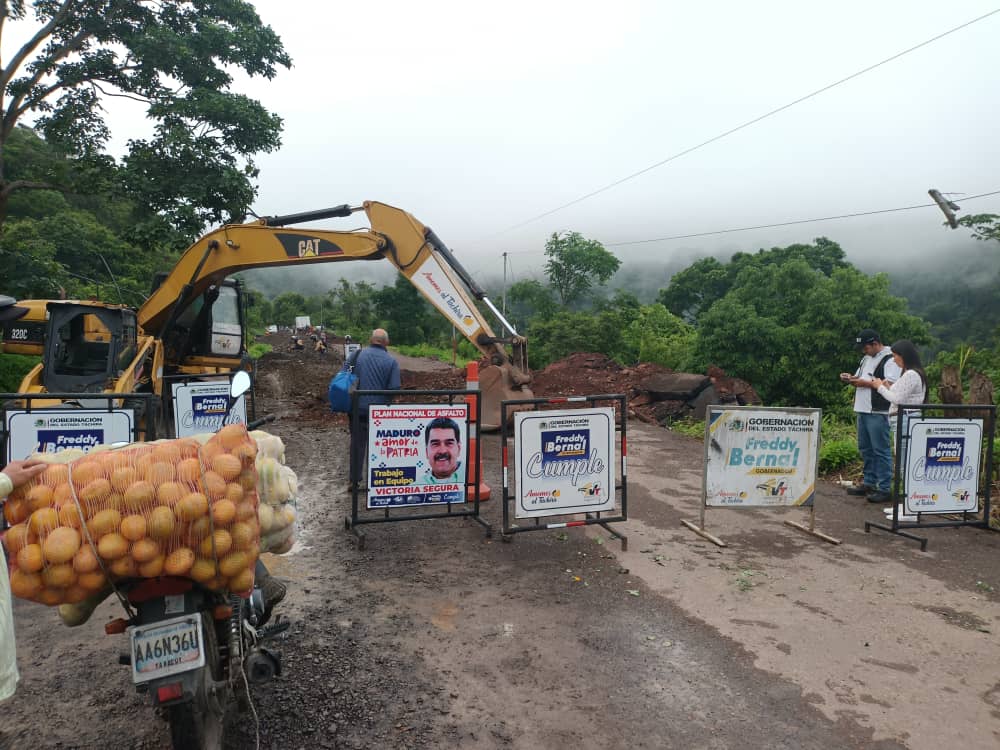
point(911, 388)
point(872, 410)
point(13, 475)
point(377, 371)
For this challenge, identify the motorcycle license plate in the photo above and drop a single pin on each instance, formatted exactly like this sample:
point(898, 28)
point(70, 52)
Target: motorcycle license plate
point(166, 647)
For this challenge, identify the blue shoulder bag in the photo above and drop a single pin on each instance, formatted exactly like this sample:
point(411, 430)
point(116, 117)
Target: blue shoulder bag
point(343, 383)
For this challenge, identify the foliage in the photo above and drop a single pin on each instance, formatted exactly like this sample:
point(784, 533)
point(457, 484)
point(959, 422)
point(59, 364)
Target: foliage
point(575, 264)
point(529, 299)
point(693, 428)
point(836, 454)
point(655, 335)
point(258, 349)
point(788, 321)
point(175, 57)
point(983, 226)
point(466, 352)
point(13, 368)
point(967, 359)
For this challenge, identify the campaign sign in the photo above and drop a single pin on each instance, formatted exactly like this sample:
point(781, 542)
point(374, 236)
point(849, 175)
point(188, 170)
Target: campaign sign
point(417, 454)
point(201, 407)
point(942, 465)
point(55, 430)
point(349, 350)
point(760, 456)
point(564, 462)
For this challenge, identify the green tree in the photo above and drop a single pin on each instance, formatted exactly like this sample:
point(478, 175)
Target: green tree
point(352, 308)
point(789, 328)
point(288, 306)
point(576, 264)
point(177, 58)
point(408, 317)
point(528, 299)
point(658, 336)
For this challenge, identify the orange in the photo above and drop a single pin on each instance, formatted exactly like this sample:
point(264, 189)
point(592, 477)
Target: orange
point(169, 493)
point(203, 570)
point(59, 576)
point(223, 543)
point(16, 511)
point(234, 492)
point(214, 484)
point(243, 534)
point(25, 585)
point(85, 561)
point(161, 523)
point(233, 563)
point(63, 495)
point(60, 546)
point(160, 472)
point(55, 474)
point(210, 450)
point(16, 537)
point(226, 466)
point(123, 477)
point(189, 470)
point(69, 516)
point(51, 597)
point(188, 447)
point(133, 527)
point(40, 496)
point(104, 522)
point(179, 561)
point(169, 453)
point(85, 471)
point(241, 582)
point(43, 520)
point(223, 512)
point(139, 495)
point(145, 550)
point(112, 546)
point(246, 453)
point(199, 528)
point(30, 558)
point(232, 435)
point(95, 491)
point(75, 594)
point(248, 479)
point(246, 510)
point(152, 568)
point(191, 506)
point(124, 567)
point(92, 581)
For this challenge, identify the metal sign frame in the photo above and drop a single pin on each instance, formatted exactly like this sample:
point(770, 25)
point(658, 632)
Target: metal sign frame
point(809, 529)
point(170, 403)
point(951, 412)
point(599, 518)
point(390, 514)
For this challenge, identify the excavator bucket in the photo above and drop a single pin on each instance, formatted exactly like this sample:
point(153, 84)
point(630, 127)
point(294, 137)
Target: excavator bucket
point(496, 385)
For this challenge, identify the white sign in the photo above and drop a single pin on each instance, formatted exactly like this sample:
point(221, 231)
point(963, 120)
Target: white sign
point(201, 407)
point(55, 430)
point(435, 284)
point(564, 461)
point(349, 349)
point(302, 321)
point(942, 465)
point(417, 454)
point(760, 456)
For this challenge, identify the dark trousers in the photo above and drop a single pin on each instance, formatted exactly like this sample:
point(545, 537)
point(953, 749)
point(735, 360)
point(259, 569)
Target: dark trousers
point(359, 451)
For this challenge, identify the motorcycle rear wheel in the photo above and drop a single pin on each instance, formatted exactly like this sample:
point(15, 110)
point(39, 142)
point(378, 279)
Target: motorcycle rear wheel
point(200, 724)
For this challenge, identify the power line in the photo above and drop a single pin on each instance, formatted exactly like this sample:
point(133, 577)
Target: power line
point(748, 123)
point(791, 223)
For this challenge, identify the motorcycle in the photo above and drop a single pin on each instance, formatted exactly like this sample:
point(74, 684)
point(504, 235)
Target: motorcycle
point(195, 652)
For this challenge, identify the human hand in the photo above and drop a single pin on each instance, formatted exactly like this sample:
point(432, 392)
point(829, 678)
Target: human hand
point(877, 383)
point(23, 471)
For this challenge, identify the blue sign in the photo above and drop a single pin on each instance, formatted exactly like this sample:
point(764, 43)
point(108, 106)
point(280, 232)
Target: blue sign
point(53, 441)
point(945, 451)
point(565, 445)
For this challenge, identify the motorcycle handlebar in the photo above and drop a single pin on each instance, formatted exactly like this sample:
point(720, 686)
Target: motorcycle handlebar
point(262, 421)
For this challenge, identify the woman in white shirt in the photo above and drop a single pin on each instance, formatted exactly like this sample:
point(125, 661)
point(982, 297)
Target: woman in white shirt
point(911, 388)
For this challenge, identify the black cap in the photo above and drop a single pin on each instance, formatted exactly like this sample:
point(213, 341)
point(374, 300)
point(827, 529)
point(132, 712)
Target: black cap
point(867, 336)
point(9, 311)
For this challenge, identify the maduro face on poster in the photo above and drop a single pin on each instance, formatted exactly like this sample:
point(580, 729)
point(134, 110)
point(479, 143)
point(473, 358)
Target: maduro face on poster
point(761, 456)
point(416, 454)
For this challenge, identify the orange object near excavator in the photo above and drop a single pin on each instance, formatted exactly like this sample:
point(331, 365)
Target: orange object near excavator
point(193, 323)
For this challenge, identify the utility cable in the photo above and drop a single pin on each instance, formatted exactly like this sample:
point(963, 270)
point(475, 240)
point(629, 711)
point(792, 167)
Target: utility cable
point(791, 223)
point(748, 123)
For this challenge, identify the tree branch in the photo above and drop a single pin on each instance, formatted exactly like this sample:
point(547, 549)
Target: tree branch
point(9, 187)
point(32, 44)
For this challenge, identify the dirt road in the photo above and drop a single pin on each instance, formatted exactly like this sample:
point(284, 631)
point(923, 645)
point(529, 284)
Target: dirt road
point(436, 636)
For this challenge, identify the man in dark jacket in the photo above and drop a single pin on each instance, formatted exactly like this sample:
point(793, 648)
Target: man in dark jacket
point(377, 371)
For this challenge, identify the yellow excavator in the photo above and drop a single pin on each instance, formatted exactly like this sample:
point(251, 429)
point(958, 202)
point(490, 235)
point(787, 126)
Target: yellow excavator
point(193, 323)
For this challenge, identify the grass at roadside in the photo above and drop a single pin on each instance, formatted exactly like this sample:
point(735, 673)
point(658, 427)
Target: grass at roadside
point(13, 368)
point(258, 350)
point(466, 352)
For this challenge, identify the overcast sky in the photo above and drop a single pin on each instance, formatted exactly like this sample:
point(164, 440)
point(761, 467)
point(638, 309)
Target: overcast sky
point(477, 117)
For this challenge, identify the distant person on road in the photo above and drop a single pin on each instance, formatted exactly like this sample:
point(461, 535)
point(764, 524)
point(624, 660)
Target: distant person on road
point(13, 475)
point(911, 388)
point(377, 371)
point(872, 410)
point(443, 448)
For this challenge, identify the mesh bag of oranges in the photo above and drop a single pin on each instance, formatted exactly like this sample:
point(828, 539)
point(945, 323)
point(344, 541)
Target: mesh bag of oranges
point(173, 507)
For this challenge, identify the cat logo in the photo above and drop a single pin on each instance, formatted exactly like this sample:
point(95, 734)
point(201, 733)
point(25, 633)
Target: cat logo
point(308, 248)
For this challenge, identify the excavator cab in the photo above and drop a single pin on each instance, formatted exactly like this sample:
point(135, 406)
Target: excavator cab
point(87, 346)
point(211, 325)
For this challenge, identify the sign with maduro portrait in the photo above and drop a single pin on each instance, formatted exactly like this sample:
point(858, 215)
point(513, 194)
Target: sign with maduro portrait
point(760, 456)
point(565, 461)
point(942, 465)
point(417, 454)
